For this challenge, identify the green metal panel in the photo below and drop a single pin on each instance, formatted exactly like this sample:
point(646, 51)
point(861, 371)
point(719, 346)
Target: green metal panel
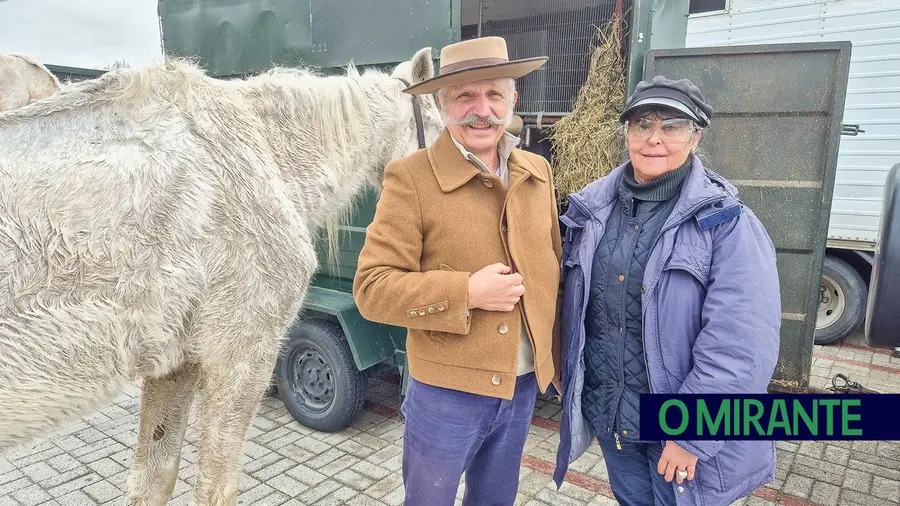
point(385, 31)
point(775, 135)
point(657, 24)
point(371, 343)
point(73, 74)
point(236, 37)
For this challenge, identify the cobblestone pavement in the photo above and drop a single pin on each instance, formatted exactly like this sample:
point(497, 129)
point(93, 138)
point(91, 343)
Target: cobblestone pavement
point(288, 464)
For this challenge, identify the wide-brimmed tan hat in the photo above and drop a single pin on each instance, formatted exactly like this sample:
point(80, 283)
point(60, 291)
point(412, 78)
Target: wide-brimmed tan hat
point(475, 60)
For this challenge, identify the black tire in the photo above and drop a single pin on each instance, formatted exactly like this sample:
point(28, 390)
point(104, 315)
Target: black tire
point(331, 391)
point(842, 307)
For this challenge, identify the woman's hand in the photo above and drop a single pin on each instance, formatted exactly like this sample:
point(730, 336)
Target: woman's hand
point(674, 458)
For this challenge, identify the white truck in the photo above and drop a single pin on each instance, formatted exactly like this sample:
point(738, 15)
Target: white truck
point(871, 120)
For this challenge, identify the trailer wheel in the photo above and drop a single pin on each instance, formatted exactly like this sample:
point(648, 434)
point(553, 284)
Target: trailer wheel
point(317, 378)
point(842, 303)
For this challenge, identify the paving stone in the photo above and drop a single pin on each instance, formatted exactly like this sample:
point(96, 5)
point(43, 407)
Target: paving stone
point(16, 485)
point(356, 449)
point(818, 470)
point(852, 498)
point(354, 480)
point(318, 492)
point(889, 450)
point(306, 475)
point(277, 468)
point(287, 485)
point(858, 481)
point(602, 500)
point(39, 471)
point(885, 472)
point(814, 449)
point(32, 458)
point(102, 491)
point(836, 455)
point(6, 500)
point(797, 485)
point(395, 498)
point(885, 489)
point(76, 498)
point(258, 495)
point(338, 465)
point(76, 483)
point(384, 486)
point(33, 494)
point(825, 494)
point(326, 457)
point(579, 495)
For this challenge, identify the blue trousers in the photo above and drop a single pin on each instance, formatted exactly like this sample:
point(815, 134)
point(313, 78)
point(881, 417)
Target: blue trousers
point(633, 477)
point(449, 433)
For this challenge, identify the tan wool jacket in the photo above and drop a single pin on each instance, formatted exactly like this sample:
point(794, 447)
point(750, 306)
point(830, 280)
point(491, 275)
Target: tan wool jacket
point(439, 219)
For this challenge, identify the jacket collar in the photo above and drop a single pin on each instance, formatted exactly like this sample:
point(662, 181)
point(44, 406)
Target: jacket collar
point(700, 184)
point(453, 170)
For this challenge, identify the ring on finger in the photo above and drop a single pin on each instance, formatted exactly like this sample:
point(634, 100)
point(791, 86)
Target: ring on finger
point(682, 473)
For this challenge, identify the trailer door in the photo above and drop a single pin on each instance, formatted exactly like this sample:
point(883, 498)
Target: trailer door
point(775, 134)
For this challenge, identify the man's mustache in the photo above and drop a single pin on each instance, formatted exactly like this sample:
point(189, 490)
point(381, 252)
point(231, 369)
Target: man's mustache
point(474, 118)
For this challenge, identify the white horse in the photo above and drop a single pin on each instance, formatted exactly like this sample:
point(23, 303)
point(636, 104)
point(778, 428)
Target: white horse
point(159, 225)
point(24, 80)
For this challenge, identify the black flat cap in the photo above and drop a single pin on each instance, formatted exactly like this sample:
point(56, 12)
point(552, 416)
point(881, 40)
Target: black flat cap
point(682, 95)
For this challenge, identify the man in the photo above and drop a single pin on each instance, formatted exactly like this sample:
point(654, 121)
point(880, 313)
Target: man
point(465, 252)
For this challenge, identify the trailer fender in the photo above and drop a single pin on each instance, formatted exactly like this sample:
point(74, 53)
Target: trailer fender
point(882, 317)
point(370, 343)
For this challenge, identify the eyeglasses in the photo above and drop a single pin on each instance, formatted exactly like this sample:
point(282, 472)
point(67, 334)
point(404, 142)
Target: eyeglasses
point(671, 130)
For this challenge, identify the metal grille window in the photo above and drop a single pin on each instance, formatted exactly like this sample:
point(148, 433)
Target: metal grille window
point(561, 29)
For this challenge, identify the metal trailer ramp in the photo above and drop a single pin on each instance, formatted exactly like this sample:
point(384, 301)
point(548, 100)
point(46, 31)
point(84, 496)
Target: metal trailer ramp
point(775, 134)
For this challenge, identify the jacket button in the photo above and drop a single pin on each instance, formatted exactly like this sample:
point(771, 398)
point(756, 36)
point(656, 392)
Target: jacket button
point(503, 328)
point(680, 489)
point(488, 183)
point(621, 277)
point(495, 380)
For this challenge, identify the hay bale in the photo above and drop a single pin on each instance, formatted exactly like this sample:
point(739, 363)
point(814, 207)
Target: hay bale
point(585, 142)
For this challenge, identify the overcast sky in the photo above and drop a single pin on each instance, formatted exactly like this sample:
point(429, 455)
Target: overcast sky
point(81, 33)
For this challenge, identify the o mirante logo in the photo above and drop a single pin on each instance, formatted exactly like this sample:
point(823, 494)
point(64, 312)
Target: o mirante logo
point(769, 416)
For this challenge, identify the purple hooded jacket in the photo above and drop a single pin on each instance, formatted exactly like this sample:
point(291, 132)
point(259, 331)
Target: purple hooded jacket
point(711, 320)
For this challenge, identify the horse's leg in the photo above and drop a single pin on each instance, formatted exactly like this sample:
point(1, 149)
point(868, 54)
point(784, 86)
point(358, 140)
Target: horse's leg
point(232, 384)
point(165, 407)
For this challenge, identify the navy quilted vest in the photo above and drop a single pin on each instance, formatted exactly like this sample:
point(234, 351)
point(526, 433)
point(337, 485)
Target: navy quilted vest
point(616, 372)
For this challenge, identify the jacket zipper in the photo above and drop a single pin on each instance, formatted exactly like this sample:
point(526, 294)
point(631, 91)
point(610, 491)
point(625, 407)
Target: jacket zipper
point(678, 223)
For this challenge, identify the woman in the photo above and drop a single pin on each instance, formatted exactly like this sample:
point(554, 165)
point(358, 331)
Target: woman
point(670, 286)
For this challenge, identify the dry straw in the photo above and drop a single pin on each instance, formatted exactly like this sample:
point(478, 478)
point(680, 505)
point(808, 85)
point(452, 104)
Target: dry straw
point(586, 144)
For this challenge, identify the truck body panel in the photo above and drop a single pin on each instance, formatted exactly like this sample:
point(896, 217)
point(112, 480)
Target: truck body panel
point(873, 90)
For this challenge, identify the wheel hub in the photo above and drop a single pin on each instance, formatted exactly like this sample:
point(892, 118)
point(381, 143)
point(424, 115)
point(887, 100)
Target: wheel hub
point(832, 303)
point(313, 380)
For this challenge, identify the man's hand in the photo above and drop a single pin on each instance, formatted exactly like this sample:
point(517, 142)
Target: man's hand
point(676, 458)
point(493, 288)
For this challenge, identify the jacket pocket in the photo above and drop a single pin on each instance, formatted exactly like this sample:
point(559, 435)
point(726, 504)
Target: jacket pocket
point(694, 259)
point(709, 474)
